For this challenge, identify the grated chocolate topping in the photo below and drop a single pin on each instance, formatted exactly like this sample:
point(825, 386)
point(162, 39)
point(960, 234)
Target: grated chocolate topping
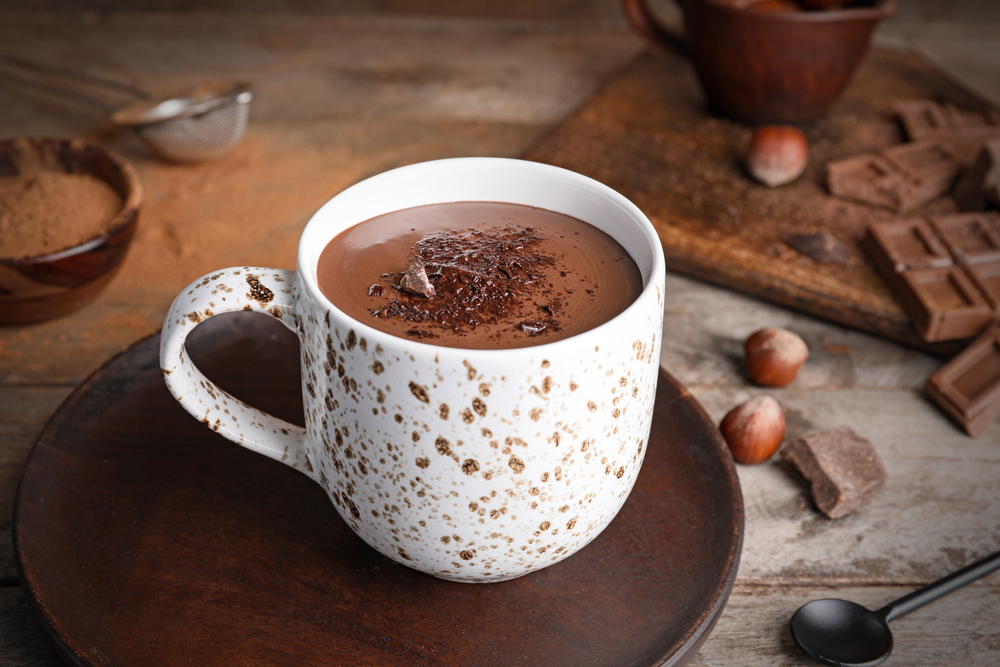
point(477, 277)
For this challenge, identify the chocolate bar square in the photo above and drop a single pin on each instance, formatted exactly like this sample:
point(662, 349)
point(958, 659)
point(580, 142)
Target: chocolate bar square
point(944, 304)
point(967, 388)
point(986, 277)
point(906, 244)
point(843, 468)
point(970, 237)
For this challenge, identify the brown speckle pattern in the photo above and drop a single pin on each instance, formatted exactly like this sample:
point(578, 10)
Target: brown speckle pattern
point(258, 291)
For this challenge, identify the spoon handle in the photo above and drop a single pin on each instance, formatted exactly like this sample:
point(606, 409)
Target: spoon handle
point(931, 592)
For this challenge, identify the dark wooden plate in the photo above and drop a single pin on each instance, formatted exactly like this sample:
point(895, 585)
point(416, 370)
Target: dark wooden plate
point(145, 538)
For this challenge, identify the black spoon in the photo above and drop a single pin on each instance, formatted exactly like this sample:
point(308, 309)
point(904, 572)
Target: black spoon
point(845, 634)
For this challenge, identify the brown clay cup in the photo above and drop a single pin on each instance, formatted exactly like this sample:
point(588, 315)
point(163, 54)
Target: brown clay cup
point(759, 66)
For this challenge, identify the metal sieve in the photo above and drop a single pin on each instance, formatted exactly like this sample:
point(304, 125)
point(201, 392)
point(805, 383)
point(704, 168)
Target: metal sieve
point(195, 125)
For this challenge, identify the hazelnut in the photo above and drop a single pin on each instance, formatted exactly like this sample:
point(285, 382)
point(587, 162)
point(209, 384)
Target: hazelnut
point(774, 356)
point(754, 430)
point(777, 154)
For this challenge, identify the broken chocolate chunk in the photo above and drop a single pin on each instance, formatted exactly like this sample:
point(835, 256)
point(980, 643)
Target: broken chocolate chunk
point(532, 328)
point(415, 281)
point(843, 468)
point(375, 290)
point(821, 246)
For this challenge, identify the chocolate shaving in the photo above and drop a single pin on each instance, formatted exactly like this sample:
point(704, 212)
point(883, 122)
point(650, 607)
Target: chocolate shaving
point(480, 277)
point(532, 328)
point(375, 290)
point(419, 333)
point(821, 246)
point(415, 280)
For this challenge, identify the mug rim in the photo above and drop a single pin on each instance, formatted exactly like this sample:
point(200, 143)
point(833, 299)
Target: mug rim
point(307, 269)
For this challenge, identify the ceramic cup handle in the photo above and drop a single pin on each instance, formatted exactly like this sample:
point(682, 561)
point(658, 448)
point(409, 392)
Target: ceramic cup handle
point(638, 14)
point(269, 291)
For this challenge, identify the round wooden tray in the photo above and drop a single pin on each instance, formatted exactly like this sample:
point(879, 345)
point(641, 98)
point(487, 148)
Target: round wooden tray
point(143, 537)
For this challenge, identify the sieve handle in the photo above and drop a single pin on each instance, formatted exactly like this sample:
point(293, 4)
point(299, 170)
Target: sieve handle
point(268, 291)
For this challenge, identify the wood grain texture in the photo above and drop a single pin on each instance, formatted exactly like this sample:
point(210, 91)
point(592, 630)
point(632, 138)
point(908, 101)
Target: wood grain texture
point(648, 134)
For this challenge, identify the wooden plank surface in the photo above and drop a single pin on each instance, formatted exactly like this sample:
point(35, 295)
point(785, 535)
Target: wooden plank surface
point(349, 89)
point(648, 134)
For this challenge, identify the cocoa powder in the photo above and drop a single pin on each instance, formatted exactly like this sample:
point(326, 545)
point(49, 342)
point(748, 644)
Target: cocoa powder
point(43, 211)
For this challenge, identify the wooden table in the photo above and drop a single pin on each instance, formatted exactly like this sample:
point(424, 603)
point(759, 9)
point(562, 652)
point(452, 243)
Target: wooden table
point(347, 91)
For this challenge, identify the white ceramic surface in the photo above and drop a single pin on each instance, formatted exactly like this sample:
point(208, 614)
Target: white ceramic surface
point(470, 465)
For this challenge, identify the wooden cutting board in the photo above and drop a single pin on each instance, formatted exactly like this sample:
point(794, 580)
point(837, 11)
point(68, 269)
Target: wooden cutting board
point(649, 134)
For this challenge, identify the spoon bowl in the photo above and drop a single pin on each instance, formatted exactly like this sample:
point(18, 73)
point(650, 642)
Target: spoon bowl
point(841, 633)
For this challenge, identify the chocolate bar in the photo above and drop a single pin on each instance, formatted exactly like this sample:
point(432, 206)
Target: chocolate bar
point(967, 388)
point(843, 468)
point(963, 129)
point(868, 178)
point(945, 272)
point(902, 177)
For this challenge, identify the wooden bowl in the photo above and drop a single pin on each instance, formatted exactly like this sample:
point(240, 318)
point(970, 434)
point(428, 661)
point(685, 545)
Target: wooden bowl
point(42, 287)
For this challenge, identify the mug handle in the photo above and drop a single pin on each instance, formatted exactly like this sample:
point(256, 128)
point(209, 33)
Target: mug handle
point(261, 290)
point(638, 14)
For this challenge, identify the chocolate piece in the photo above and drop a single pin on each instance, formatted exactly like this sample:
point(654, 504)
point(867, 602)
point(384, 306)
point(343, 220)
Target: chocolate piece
point(972, 238)
point(821, 246)
point(980, 185)
point(868, 178)
point(944, 304)
point(967, 388)
point(375, 290)
point(415, 280)
point(902, 177)
point(930, 168)
point(532, 328)
point(844, 469)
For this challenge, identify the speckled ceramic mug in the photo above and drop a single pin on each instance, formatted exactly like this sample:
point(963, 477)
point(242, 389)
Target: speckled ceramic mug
point(470, 465)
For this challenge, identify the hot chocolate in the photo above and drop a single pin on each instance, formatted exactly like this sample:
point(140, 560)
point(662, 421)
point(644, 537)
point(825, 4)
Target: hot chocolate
point(478, 275)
